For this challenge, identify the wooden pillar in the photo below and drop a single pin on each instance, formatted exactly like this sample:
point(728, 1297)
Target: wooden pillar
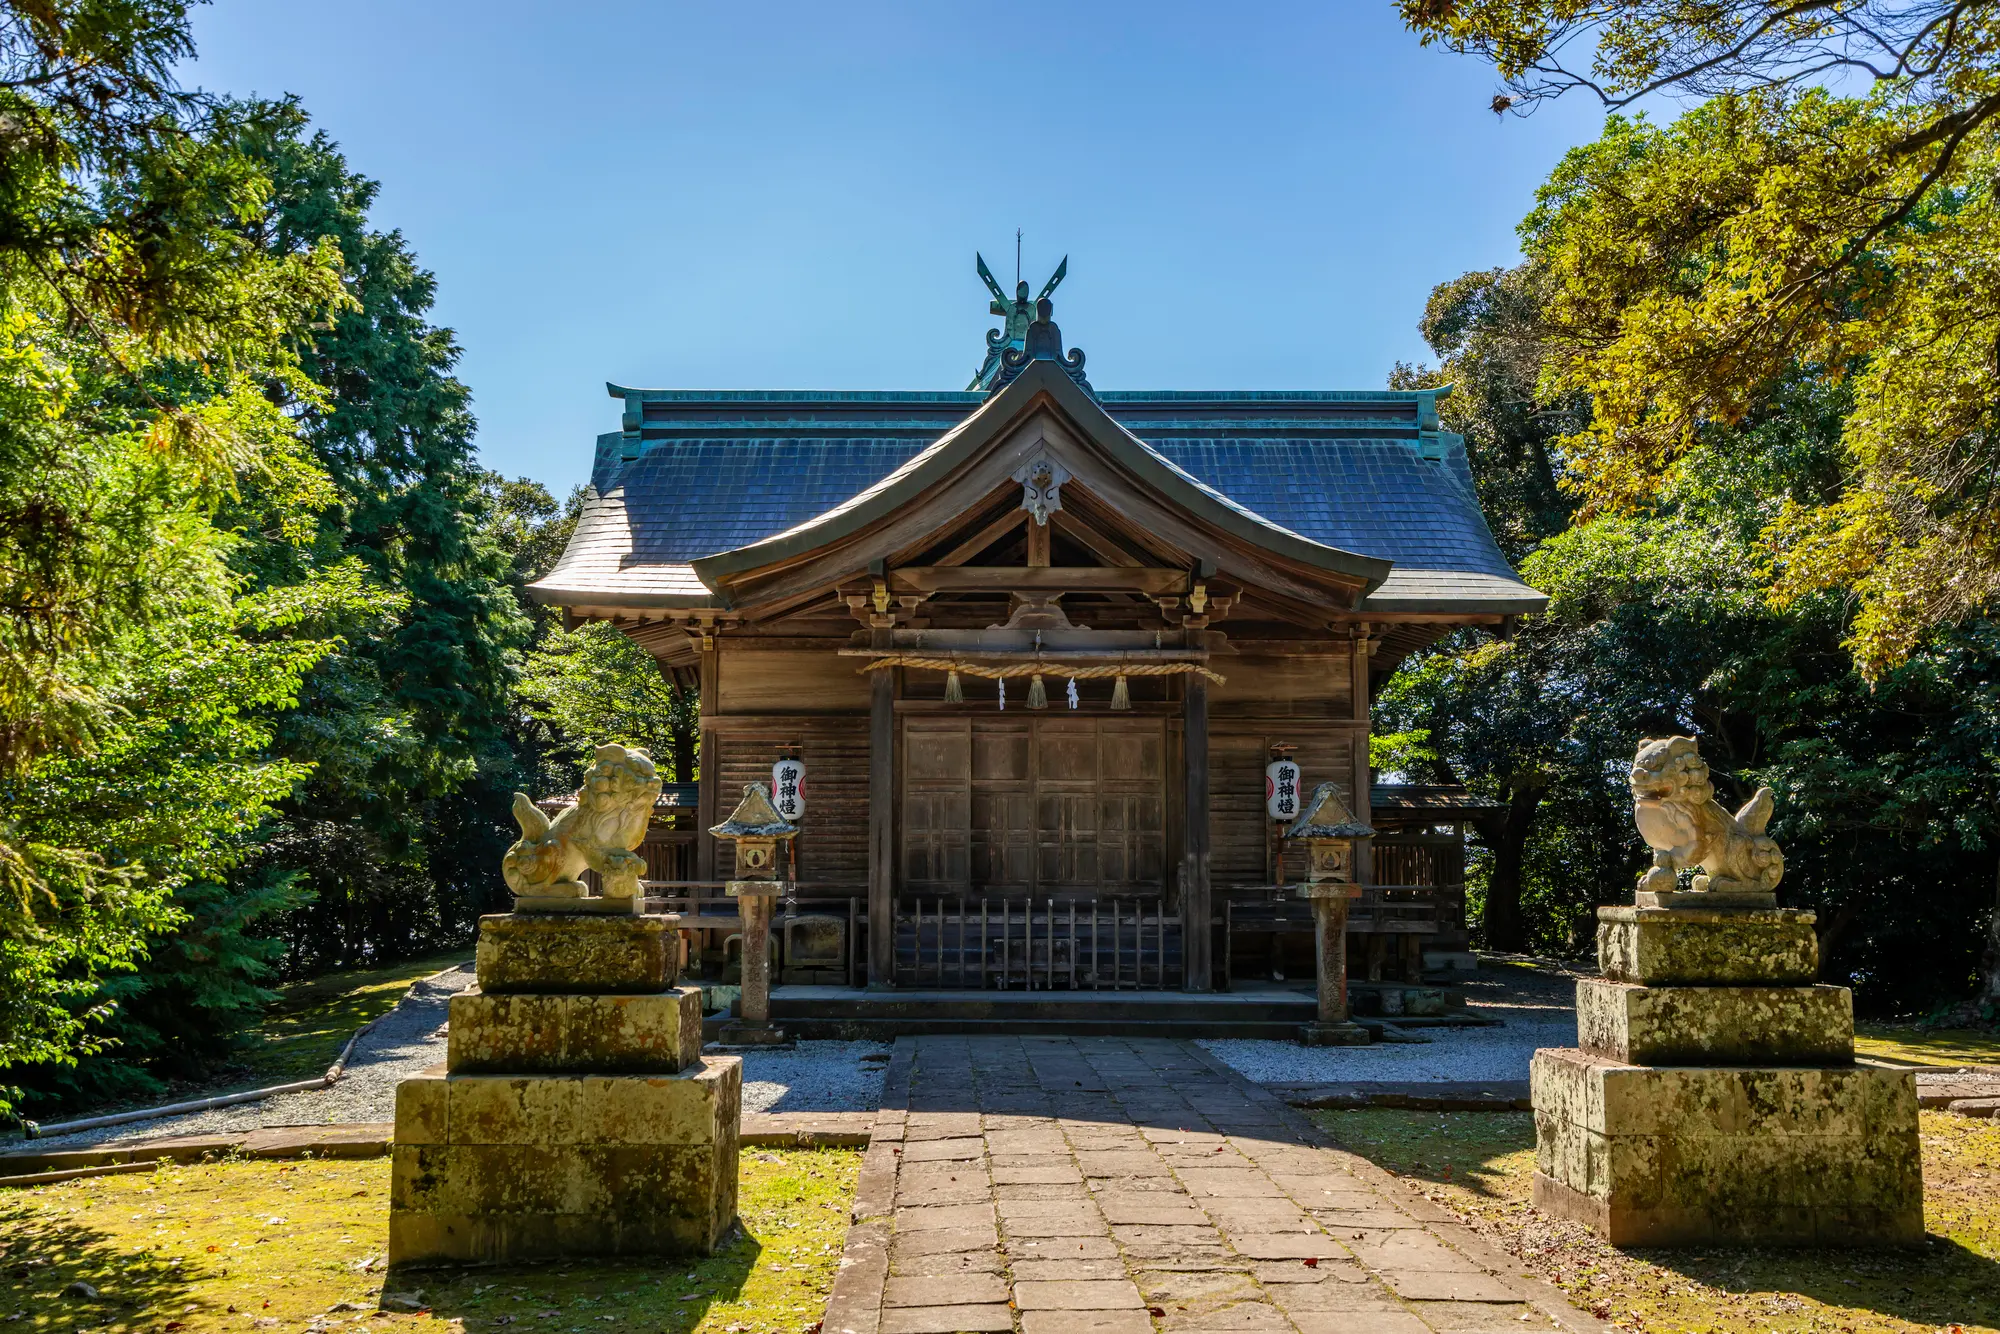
point(1198, 968)
point(709, 780)
point(755, 903)
point(882, 828)
point(1363, 786)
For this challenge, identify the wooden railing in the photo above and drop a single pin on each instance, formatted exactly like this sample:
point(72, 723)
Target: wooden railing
point(1011, 942)
point(703, 906)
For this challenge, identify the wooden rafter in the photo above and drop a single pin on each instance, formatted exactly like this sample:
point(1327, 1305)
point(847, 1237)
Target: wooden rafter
point(1039, 578)
point(984, 538)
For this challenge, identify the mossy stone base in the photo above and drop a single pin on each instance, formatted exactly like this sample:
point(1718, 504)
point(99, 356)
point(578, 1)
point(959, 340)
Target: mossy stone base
point(539, 952)
point(1715, 948)
point(1637, 1025)
point(499, 1169)
point(658, 1033)
point(1693, 1155)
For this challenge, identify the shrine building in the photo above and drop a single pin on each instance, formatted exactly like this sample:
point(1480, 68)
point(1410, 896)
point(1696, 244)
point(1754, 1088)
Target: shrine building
point(1035, 645)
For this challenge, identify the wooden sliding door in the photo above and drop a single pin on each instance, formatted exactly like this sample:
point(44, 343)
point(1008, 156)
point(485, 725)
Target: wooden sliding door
point(1034, 805)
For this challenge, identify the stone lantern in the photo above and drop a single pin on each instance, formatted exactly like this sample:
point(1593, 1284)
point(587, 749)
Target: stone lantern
point(1334, 840)
point(756, 828)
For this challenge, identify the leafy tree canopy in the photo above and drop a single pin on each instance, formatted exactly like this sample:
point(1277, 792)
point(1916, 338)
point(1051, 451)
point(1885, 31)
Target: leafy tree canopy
point(1776, 231)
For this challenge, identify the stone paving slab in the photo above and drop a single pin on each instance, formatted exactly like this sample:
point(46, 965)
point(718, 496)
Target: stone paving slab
point(1040, 1185)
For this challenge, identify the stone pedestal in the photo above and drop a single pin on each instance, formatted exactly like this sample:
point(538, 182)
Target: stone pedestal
point(756, 904)
point(1714, 1095)
point(574, 1115)
point(1333, 1027)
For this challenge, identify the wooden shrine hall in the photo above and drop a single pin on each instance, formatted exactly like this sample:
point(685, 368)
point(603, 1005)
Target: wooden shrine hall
point(1032, 647)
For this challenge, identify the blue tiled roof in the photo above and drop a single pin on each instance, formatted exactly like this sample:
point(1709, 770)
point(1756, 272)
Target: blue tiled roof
point(1376, 497)
point(711, 471)
point(689, 498)
point(716, 471)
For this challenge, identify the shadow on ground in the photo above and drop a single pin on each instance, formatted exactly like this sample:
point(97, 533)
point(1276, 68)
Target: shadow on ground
point(1480, 1164)
point(43, 1254)
point(654, 1294)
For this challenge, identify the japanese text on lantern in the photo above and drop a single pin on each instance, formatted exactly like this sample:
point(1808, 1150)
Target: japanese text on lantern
point(1281, 789)
point(788, 788)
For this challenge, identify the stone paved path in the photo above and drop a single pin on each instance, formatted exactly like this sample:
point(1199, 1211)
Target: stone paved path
point(1112, 1186)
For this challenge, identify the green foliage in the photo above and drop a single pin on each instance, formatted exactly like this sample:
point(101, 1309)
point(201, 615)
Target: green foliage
point(1485, 327)
point(594, 685)
point(1773, 233)
point(408, 726)
point(142, 946)
point(1662, 624)
point(145, 345)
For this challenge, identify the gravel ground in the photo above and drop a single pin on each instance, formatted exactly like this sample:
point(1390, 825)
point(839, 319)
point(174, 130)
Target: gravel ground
point(817, 1077)
point(407, 1039)
point(1537, 1006)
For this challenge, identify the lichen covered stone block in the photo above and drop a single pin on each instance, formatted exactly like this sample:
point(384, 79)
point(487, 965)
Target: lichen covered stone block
point(1722, 948)
point(1641, 1025)
point(545, 1166)
point(1696, 1155)
point(527, 1033)
point(530, 952)
point(421, 1110)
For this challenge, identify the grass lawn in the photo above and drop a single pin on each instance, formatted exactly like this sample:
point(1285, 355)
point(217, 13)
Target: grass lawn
point(1479, 1164)
point(1907, 1044)
point(264, 1245)
point(305, 1028)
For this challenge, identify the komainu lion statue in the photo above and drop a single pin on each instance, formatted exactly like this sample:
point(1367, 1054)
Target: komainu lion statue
point(598, 833)
point(1674, 805)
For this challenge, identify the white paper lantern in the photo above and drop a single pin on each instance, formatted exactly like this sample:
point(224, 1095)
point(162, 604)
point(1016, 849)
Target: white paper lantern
point(788, 788)
point(1281, 789)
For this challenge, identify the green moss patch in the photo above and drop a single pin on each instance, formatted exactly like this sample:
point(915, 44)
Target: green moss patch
point(303, 1031)
point(1480, 1164)
point(248, 1246)
point(1908, 1044)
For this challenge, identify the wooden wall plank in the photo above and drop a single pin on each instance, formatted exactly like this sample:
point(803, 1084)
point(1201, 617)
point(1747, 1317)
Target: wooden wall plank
point(1239, 750)
point(774, 681)
point(1301, 687)
point(833, 836)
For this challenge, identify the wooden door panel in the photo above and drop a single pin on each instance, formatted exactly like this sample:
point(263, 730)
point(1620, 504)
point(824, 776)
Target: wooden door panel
point(935, 756)
point(1000, 754)
point(1065, 840)
point(1035, 805)
point(1133, 757)
point(1002, 841)
point(937, 800)
point(1066, 757)
point(1131, 839)
point(935, 846)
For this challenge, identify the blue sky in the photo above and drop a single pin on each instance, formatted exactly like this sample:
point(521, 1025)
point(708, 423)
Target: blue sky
point(780, 195)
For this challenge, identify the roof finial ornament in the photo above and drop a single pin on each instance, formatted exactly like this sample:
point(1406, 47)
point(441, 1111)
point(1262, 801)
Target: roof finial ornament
point(1042, 342)
point(1018, 312)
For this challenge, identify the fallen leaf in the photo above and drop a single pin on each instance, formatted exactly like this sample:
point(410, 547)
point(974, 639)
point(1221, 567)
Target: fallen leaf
point(1155, 1310)
point(1312, 1262)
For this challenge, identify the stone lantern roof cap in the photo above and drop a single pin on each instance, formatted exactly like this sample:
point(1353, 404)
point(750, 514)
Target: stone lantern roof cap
point(755, 817)
point(1326, 816)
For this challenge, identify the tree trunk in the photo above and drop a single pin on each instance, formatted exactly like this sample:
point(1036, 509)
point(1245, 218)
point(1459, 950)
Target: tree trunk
point(684, 750)
point(1992, 959)
point(1505, 929)
point(1833, 928)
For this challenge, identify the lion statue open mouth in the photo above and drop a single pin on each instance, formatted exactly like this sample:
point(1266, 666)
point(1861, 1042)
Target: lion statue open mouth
point(598, 833)
point(1673, 803)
